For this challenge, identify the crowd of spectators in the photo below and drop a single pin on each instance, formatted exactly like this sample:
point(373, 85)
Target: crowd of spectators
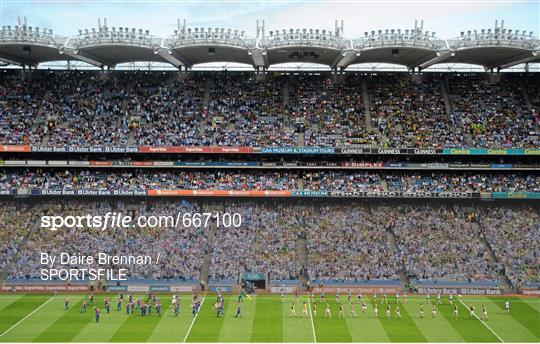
point(147, 180)
point(314, 180)
point(513, 234)
point(532, 85)
point(265, 242)
point(439, 243)
point(464, 182)
point(86, 109)
point(331, 111)
point(245, 112)
point(410, 113)
point(171, 113)
point(348, 243)
point(19, 104)
point(181, 248)
point(235, 109)
point(319, 240)
point(493, 114)
point(15, 221)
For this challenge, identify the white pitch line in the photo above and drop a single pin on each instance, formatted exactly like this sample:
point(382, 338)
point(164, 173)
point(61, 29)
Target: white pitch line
point(312, 324)
point(482, 321)
point(23, 319)
point(193, 321)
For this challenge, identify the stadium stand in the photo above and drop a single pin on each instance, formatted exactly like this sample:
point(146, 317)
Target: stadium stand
point(154, 108)
point(345, 243)
point(312, 241)
point(513, 234)
point(119, 180)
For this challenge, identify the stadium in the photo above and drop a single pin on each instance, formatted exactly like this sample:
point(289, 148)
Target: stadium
point(284, 185)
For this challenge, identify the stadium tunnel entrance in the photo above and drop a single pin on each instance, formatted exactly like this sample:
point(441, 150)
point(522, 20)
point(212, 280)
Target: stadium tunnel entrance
point(254, 280)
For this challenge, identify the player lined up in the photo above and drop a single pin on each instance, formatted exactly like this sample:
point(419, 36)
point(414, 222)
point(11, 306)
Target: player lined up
point(153, 302)
point(384, 300)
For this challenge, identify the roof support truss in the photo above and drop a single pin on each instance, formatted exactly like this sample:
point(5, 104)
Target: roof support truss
point(344, 59)
point(86, 57)
point(259, 57)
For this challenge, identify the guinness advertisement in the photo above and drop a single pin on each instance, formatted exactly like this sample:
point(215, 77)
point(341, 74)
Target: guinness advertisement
point(389, 151)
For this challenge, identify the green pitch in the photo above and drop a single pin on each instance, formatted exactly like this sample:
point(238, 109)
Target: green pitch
point(42, 318)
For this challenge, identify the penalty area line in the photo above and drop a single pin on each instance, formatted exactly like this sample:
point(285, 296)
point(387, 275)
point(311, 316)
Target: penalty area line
point(193, 321)
point(23, 319)
point(482, 321)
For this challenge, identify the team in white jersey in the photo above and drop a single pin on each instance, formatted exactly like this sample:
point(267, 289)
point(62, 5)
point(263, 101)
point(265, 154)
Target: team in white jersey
point(327, 313)
point(363, 306)
point(484, 313)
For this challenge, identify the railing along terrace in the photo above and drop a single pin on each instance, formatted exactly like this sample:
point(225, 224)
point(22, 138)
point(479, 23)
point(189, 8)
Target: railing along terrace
point(393, 37)
point(197, 36)
point(498, 36)
point(308, 37)
point(25, 34)
point(122, 35)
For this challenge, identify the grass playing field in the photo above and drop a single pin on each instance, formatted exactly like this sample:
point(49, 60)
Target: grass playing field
point(42, 318)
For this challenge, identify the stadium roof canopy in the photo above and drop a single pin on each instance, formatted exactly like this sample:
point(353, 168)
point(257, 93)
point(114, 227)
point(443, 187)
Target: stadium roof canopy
point(415, 48)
